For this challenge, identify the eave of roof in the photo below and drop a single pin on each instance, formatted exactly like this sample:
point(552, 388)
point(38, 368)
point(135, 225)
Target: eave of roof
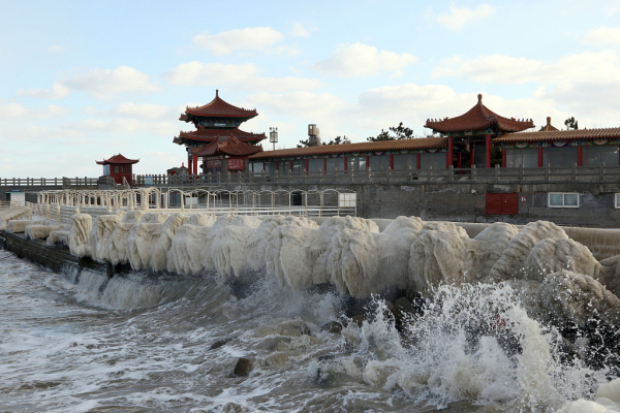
point(117, 159)
point(232, 146)
point(560, 135)
point(218, 108)
point(478, 118)
point(421, 143)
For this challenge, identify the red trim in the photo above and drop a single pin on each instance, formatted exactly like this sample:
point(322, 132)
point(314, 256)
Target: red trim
point(503, 158)
point(450, 153)
point(391, 161)
point(417, 161)
point(488, 147)
point(580, 155)
point(540, 157)
point(346, 163)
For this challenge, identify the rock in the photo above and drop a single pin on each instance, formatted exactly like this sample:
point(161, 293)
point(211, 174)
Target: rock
point(359, 319)
point(333, 327)
point(220, 343)
point(243, 367)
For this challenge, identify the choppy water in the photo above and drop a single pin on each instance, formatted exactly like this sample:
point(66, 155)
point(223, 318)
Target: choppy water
point(140, 344)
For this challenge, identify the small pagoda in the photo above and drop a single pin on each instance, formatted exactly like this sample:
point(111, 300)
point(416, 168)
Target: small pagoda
point(217, 136)
point(472, 132)
point(118, 167)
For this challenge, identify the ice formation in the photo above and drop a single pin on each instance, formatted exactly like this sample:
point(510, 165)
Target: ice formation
point(19, 225)
point(59, 237)
point(14, 213)
point(40, 231)
point(79, 241)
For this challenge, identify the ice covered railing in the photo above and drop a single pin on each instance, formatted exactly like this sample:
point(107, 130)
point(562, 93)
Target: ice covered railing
point(63, 204)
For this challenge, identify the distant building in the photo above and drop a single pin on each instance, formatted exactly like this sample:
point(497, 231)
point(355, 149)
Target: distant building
point(217, 140)
point(118, 167)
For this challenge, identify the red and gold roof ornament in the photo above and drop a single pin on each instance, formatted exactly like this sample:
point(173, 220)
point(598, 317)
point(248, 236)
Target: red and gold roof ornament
point(479, 118)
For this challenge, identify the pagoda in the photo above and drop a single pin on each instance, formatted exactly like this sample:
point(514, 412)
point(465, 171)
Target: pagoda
point(473, 132)
point(217, 136)
point(118, 167)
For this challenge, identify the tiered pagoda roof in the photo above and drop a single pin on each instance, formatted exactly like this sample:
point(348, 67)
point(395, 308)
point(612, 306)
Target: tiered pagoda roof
point(218, 108)
point(479, 118)
point(230, 146)
point(209, 135)
point(117, 159)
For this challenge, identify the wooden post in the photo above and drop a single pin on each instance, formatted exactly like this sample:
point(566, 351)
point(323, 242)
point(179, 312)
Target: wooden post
point(418, 161)
point(449, 154)
point(580, 155)
point(488, 147)
point(540, 156)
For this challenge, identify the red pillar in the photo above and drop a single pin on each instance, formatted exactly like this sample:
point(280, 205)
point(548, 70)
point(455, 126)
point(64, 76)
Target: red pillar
point(449, 154)
point(458, 160)
point(195, 165)
point(307, 166)
point(418, 161)
point(367, 162)
point(346, 166)
point(503, 157)
point(391, 161)
point(189, 164)
point(324, 165)
point(580, 155)
point(540, 157)
point(488, 145)
point(291, 165)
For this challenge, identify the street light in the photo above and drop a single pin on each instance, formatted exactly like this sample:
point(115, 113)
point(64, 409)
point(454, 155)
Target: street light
point(273, 136)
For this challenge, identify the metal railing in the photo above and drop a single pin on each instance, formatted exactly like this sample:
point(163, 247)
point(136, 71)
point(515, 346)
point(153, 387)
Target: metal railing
point(63, 182)
point(475, 175)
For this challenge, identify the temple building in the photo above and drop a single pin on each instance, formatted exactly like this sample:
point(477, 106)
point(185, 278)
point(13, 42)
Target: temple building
point(560, 148)
point(473, 132)
point(217, 140)
point(118, 167)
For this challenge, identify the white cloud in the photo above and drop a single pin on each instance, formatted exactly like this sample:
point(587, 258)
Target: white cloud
point(56, 49)
point(358, 60)
point(12, 110)
point(603, 36)
point(456, 18)
point(127, 126)
point(15, 110)
point(225, 43)
point(307, 105)
point(208, 74)
point(142, 111)
point(300, 29)
point(104, 83)
point(56, 91)
point(278, 85)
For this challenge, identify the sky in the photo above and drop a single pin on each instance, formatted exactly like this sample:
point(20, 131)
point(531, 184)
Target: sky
point(84, 80)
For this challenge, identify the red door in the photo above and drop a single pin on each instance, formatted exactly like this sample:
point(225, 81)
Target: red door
point(503, 204)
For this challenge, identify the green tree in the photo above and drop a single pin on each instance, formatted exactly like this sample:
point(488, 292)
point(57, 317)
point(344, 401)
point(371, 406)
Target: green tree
point(571, 123)
point(383, 136)
point(399, 132)
point(303, 144)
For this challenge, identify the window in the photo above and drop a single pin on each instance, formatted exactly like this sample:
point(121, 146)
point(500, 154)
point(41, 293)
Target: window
point(335, 163)
point(257, 168)
point(597, 155)
point(379, 163)
point(526, 157)
point(560, 157)
point(357, 163)
point(315, 165)
point(617, 201)
point(563, 200)
point(284, 167)
point(406, 162)
point(299, 167)
point(116, 169)
point(436, 160)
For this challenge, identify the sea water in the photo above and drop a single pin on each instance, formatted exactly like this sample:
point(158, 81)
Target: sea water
point(80, 342)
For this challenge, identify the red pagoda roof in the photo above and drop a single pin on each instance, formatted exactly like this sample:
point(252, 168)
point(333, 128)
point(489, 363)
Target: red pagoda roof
point(118, 159)
point(231, 146)
point(218, 108)
point(560, 135)
point(209, 135)
point(479, 118)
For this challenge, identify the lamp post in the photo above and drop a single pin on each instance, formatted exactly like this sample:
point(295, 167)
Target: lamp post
point(273, 136)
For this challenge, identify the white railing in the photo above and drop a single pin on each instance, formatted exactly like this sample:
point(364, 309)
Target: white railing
point(47, 182)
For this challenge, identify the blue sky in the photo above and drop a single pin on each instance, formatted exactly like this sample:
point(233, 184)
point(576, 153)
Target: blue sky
point(84, 80)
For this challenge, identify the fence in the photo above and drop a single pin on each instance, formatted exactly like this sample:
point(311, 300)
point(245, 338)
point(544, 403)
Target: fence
point(63, 182)
point(62, 204)
point(475, 175)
